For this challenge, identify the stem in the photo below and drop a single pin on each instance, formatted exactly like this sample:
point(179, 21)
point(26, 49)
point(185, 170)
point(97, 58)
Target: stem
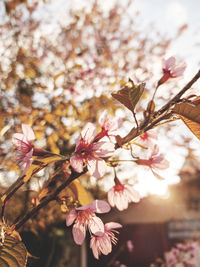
point(14, 187)
point(146, 126)
point(178, 96)
point(52, 196)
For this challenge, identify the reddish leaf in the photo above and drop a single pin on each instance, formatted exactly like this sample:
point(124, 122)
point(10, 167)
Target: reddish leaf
point(190, 114)
point(130, 94)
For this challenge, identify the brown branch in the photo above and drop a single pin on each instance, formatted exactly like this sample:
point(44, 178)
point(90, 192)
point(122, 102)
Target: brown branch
point(177, 97)
point(49, 198)
point(147, 125)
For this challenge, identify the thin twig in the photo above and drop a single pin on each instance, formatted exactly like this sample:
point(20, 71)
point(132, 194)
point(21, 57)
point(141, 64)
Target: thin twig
point(50, 197)
point(147, 126)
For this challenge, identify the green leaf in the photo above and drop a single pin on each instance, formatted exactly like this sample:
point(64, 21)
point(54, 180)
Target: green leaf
point(130, 94)
point(13, 253)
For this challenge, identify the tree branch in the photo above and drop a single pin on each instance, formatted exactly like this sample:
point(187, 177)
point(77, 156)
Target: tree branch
point(49, 198)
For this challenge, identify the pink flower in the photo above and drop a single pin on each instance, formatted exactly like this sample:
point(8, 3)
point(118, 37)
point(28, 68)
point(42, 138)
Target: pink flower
point(103, 244)
point(184, 255)
point(130, 245)
point(156, 161)
point(109, 126)
point(121, 195)
point(146, 138)
point(85, 216)
point(89, 152)
point(24, 145)
point(171, 70)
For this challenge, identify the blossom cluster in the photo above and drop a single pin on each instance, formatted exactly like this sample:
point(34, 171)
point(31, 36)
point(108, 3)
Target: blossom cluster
point(102, 236)
point(91, 153)
point(184, 254)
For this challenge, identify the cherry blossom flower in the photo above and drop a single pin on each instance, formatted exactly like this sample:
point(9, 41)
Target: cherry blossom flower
point(183, 255)
point(120, 195)
point(171, 70)
point(85, 217)
point(146, 138)
point(130, 245)
point(156, 161)
point(24, 144)
point(109, 126)
point(103, 244)
point(89, 152)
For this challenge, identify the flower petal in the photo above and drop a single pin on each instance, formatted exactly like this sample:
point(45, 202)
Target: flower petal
point(96, 167)
point(112, 225)
point(28, 132)
point(26, 161)
point(103, 149)
point(96, 226)
point(169, 63)
point(17, 137)
point(71, 217)
point(88, 133)
point(105, 244)
point(111, 194)
point(78, 232)
point(94, 246)
point(99, 206)
point(76, 163)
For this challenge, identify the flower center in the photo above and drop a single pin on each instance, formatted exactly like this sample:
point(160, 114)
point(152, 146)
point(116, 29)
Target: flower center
point(119, 187)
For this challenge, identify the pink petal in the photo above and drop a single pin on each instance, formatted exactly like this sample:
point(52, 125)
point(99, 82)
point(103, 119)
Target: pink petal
point(94, 247)
point(103, 149)
point(178, 71)
point(99, 206)
point(132, 194)
point(78, 232)
point(76, 163)
point(155, 151)
point(71, 217)
point(103, 118)
point(96, 226)
point(88, 133)
point(112, 225)
point(27, 161)
point(111, 194)
point(169, 63)
point(17, 137)
point(28, 132)
point(161, 164)
point(121, 201)
point(78, 140)
point(96, 167)
point(105, 244)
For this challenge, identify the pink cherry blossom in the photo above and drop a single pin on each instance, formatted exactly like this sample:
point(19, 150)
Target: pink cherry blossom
point(109, 126)
point(90, 153)
point(85, 217)
point(103, 244)
point(146, 138)
point(171, 70)
point(155, 161)
point(24, 144)
point(186, 254)
point(121, 195)
point(130, 246)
